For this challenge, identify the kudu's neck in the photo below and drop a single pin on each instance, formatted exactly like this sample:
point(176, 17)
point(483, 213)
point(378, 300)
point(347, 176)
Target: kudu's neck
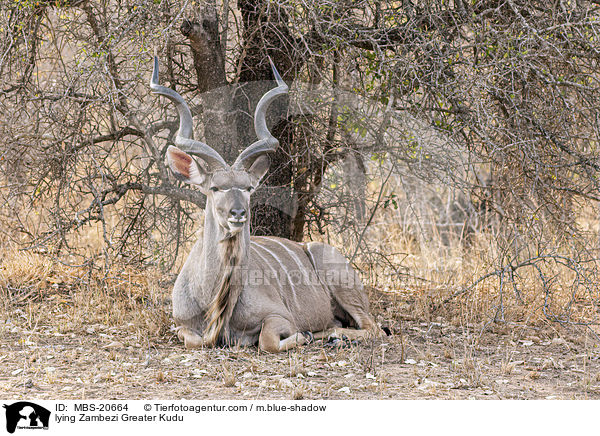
point(224, 259)
point(216, 240)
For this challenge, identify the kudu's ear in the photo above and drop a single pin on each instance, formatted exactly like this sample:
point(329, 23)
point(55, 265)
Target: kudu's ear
point(185, 168)
point(259, 167)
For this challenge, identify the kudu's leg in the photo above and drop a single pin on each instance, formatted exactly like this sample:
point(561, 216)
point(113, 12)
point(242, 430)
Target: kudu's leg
point(190, 338)
point(347, 290)
point(351, 334)
point(189, 331)
point(273, 329)
point(188, 317)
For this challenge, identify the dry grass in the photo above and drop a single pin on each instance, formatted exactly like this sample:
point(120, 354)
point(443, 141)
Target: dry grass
point(70, 298)
point(441, 275)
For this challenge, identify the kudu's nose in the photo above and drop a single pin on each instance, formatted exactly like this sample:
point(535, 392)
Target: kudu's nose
point(238, 214)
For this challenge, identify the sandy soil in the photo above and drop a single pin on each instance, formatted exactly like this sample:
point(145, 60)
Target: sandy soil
point(418, 361)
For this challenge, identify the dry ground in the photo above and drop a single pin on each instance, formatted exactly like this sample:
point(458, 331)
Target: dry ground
point(46, 354)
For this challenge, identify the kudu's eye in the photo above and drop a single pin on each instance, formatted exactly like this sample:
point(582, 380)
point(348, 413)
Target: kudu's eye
point(249, 188)
point(214, 189)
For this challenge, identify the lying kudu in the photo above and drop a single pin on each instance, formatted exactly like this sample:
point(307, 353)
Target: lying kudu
point(239, 289)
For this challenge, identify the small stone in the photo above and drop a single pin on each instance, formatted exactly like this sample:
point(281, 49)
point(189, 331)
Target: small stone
point(345, 389)
point(199, 373)
point(284, 383)
point(427, 385)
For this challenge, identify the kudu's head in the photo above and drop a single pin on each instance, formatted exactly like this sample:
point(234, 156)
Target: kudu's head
point(226, 187)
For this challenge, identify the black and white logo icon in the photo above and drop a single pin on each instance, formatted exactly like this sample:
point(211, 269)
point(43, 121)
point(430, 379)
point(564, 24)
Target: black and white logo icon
point(26, 415)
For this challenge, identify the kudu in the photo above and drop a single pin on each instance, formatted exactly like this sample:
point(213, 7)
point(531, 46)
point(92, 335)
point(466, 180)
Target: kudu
point(238, 289)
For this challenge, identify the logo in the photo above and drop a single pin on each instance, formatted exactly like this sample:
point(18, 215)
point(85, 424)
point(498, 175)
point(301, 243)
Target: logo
point(26, 415)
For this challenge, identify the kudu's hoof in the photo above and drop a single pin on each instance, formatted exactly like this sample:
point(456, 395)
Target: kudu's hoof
point(308, 336)
point(342, 341)
point(190, 339)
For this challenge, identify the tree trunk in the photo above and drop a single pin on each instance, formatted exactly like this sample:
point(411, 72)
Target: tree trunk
point(228, 120)
point(266, 35)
